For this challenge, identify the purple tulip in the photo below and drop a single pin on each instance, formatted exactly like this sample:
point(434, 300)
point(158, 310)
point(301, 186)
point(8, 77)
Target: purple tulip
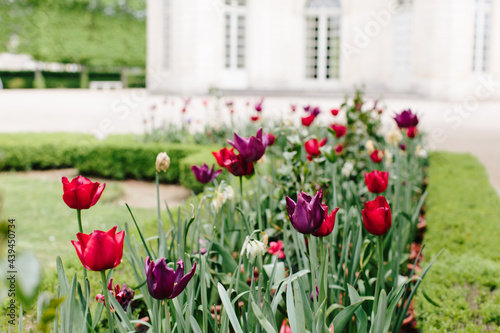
point(203, 174)
point(315, 111)
point(251, 149)
point(406, 119)
point(258, 105)
point(306, 108)
point(163, 282)
point(307, 214)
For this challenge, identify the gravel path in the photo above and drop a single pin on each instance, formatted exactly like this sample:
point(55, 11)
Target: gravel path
point(463, 126)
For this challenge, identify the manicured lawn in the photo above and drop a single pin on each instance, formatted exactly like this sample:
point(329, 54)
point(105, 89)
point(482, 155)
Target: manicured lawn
point(463, 217)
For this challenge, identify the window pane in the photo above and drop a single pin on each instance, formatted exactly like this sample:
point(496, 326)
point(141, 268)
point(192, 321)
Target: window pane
point(241, 41)
point(228, 41)
point(312, 26)
point(333, 47)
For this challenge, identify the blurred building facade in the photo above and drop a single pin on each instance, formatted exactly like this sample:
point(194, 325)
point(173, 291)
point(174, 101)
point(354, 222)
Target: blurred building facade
point(434, 48)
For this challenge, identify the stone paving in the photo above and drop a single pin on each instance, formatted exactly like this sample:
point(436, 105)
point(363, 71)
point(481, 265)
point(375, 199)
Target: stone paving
point(464, 126)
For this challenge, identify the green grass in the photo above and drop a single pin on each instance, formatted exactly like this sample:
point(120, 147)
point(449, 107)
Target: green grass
point(463, 218)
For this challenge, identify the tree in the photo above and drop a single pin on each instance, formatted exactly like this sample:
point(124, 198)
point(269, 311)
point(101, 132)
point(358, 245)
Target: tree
point(106, 33)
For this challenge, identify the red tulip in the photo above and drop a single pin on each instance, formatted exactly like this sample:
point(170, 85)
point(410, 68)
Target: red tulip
point(276, 248)
point(334, 112)
point(81, 193)
point(223, 155)
point(339, 149)
point(307, 121)
point(377, 156)
point(377, 181)
point(377, 217)
point(271, 138)
point(254, 118)
point(285, 328)
point(100, 250)
point(339, 130)
point(226, 158)
point(238, 167)
point(312, 148)
point(411, 132)
point(326, 227)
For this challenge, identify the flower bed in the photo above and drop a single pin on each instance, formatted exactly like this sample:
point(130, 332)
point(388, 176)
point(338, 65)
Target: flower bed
point(311, 231)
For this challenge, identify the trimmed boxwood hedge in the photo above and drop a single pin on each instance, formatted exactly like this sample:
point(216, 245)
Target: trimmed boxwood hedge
point(118, 157)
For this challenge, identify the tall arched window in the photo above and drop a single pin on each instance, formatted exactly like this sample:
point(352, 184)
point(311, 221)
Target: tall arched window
point(323, 39)
point(235, 34)
point(482, 30)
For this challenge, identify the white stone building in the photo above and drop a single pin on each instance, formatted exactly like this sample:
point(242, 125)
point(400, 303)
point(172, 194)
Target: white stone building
point(435, 48)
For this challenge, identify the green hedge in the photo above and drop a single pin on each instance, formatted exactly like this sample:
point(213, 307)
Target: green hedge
point(25, 79)
point(463, 219)
point(118, 157)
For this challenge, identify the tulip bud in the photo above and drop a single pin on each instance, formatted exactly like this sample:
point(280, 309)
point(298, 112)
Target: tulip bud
point(370, 147)
point(411, 132)
point(394, 137)
point(162, 162)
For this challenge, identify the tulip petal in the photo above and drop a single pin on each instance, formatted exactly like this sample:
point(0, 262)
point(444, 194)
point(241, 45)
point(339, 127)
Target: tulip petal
point(119, 237)
point(80, 180)
point(97, 193)
point(66, 184)
point(179, 287)
point(164, 279)
point(290, 207)
point(179, 272)
point(77, 198)
point(79, 252)
point(100, 251)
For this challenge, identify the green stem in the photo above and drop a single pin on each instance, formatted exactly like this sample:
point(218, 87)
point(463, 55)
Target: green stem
point(105, 291)
point(167, 317)
point(380, 274)
point(79, 218)
point(158, 196)
point(241, 192)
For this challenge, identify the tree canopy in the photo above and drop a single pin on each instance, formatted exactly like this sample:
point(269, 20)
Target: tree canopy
point(104, 33)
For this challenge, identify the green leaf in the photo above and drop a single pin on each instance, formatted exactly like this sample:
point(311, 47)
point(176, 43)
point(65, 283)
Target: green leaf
point(379, 320)
point(228, 308)
point(266, 325)
point(228, 262)
point(344, 316)
point(290, 308)
point(29, 277)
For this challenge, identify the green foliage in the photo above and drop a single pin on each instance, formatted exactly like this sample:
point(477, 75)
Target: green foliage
point(107, 33)
point(463, 218)
point(19, 80)
point(119, 161)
